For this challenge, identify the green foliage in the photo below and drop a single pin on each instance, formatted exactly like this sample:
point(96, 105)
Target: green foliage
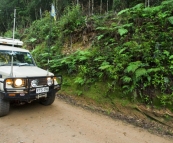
point(141, 58)
point(133, 50)
point(122, 31)
point(71, 20)
point(166, 100)
point(79, 81)
point(170, 19)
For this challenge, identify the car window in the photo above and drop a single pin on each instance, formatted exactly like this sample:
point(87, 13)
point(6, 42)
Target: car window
point(19, 58)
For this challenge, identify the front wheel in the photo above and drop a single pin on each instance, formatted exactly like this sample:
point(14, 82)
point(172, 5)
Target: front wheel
point(4, 106)
point(49, 99)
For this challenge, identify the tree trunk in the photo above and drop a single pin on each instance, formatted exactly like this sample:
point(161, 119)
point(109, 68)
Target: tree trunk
point(89, 7)
point(101, 3)
point(147, 3)
point(107, 5)
point(77, 2)
point(40, 13)
point(92, 7)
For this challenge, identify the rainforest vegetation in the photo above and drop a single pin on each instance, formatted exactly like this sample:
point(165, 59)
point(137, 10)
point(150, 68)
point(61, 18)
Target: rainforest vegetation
point(125, 44)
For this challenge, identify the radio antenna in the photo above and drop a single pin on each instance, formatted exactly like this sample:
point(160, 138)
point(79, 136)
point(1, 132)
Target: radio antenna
point(11, 74)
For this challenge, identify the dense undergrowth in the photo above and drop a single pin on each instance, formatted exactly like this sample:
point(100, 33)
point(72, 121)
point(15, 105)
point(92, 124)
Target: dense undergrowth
point(131, 50)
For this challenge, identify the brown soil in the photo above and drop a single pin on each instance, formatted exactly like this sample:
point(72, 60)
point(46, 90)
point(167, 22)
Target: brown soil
point(141, 116)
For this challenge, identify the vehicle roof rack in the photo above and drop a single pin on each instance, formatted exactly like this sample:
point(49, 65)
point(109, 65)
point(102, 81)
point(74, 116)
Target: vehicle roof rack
point(10, 41)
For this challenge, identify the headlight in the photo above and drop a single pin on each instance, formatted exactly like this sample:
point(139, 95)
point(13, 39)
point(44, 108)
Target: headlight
point(9, 81)
point(19, 82)
point(34, 83)
point(57, 80)
point(49, 81)
point(15, 82)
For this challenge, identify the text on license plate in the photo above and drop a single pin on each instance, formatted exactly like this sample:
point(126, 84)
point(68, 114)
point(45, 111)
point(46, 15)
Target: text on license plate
point(41, 90)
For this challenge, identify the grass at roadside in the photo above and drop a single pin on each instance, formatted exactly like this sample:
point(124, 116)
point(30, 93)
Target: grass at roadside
point(97, 93)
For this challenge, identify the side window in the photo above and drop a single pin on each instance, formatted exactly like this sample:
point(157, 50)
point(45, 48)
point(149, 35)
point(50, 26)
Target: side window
point(4, 58)
point(28, 58)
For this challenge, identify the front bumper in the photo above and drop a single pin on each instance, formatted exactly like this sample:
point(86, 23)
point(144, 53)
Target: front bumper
point(20, 96)
point(29, 93)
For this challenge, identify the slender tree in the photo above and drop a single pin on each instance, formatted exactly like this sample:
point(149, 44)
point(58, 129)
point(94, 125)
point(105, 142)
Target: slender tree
point(147, 3)
point(77, 1)
point(107, 5)
point(92, 7)
point(101, 3)
point(89, 5)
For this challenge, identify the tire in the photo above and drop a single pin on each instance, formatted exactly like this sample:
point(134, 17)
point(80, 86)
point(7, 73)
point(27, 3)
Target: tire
point(49, 99)
point(4, 106)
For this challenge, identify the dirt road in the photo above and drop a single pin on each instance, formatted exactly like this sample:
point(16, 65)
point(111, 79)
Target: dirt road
point(64, 123)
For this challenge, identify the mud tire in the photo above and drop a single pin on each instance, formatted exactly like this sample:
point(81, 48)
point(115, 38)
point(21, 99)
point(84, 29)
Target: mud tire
point(4, 106)
point(49, 99)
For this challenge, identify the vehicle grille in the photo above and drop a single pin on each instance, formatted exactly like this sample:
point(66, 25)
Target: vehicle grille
point(41, 81)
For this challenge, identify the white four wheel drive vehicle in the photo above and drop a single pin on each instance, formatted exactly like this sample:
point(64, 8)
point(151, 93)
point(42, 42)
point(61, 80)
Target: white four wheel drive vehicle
point(21, 81)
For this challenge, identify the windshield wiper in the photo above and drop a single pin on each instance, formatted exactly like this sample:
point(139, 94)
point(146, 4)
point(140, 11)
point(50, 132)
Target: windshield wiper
point(22, 64)
point(5, 64)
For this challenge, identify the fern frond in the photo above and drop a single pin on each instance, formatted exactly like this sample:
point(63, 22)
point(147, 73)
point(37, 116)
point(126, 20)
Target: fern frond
point(122, 50)
point(131, 44)
point(140, 72)
point(167, 2)
point(79, 80)
point(140, 5)
point(127, 25)
point(170, 19)
point(104, 65)
point(153, 70)
point(100, 58)
point(126, 79)
point(133, 66)
point(83, 58)
point(123, 11)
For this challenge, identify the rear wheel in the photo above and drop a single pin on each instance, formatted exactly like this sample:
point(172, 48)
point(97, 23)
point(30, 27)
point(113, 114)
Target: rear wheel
point(4, 106)
point(49, 99)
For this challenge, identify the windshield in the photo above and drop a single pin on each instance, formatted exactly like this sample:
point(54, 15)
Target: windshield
point(19, 58)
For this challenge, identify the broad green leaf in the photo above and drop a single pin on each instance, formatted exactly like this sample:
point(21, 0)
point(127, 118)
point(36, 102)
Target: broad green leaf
point(32, 39)
point(166, 52)
point(122, 31)
point(99, 37)
point(171, 57)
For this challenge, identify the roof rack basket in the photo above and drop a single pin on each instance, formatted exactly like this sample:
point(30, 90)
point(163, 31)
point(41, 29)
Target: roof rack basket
point(10, 41)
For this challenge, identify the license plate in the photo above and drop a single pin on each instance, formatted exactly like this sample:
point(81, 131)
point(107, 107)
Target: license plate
point(41, 90)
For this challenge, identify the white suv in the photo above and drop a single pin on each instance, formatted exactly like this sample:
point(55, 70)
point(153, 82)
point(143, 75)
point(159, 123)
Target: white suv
point(21, 81)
